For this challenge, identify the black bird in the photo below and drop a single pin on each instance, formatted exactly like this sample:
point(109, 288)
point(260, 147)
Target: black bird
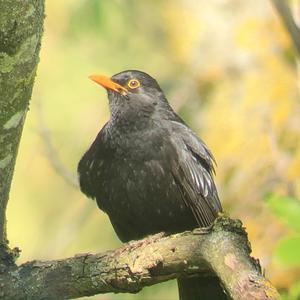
point(146, 168)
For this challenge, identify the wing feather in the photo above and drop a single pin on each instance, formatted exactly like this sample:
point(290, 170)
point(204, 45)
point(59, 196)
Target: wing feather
point(193, 171)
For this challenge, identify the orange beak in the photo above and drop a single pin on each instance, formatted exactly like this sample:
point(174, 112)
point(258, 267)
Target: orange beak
point(109, 84)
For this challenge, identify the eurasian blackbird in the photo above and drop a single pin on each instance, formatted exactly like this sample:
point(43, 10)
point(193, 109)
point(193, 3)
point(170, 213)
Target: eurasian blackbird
point(146, 168)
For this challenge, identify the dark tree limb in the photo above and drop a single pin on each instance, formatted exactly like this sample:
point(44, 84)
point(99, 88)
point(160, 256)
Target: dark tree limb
point(286, 16)
point(21, 26)
point(224, 253)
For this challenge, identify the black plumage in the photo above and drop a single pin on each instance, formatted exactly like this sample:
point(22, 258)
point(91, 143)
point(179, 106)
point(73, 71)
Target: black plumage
point(146, 168)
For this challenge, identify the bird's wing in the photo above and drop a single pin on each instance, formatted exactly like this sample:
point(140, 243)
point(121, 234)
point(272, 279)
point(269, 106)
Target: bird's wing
point(193, 172)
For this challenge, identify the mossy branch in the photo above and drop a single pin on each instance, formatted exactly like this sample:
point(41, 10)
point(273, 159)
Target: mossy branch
point(223, 252)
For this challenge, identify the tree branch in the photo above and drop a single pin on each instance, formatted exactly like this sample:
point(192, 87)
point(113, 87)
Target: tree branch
point(21, 26)
point(286, 16)
point(223, 252)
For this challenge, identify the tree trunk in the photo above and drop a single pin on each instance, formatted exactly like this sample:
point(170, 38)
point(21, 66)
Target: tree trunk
point(21, 28)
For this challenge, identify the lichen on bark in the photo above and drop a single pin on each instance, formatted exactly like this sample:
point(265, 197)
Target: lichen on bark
point(21, 28)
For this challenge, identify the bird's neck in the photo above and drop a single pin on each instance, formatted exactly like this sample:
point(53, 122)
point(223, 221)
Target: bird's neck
point(121, 123)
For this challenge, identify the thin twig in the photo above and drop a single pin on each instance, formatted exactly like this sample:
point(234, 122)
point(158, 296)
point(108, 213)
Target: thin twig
point(51, 152)
point(286, 16)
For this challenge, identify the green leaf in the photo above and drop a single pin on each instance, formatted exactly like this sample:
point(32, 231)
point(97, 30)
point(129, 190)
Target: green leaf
point(295, 291)
point(287, 251)
point(286, 208)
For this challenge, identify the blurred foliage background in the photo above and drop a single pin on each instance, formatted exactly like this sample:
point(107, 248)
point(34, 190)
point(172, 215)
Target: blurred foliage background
point(226, 66)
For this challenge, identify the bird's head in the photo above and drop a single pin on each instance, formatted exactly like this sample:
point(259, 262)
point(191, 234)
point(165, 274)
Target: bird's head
point(132, 92)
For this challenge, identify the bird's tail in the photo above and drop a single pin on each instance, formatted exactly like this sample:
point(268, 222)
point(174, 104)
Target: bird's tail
point(200, 288)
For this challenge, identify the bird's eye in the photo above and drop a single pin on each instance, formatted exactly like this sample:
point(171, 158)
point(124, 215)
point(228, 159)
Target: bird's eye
point(133, 83)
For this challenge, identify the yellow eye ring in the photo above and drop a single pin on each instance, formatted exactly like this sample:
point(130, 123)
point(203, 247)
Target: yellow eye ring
point(133, 83)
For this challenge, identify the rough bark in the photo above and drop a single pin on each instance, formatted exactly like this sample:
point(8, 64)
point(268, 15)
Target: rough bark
point(21, 24)
point(224, 252)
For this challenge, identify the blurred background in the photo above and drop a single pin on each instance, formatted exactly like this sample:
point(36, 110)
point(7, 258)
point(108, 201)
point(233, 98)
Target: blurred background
point(227, 67)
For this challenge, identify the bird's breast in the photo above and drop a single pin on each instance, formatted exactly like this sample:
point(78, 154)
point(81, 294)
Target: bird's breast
point(129, 174)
